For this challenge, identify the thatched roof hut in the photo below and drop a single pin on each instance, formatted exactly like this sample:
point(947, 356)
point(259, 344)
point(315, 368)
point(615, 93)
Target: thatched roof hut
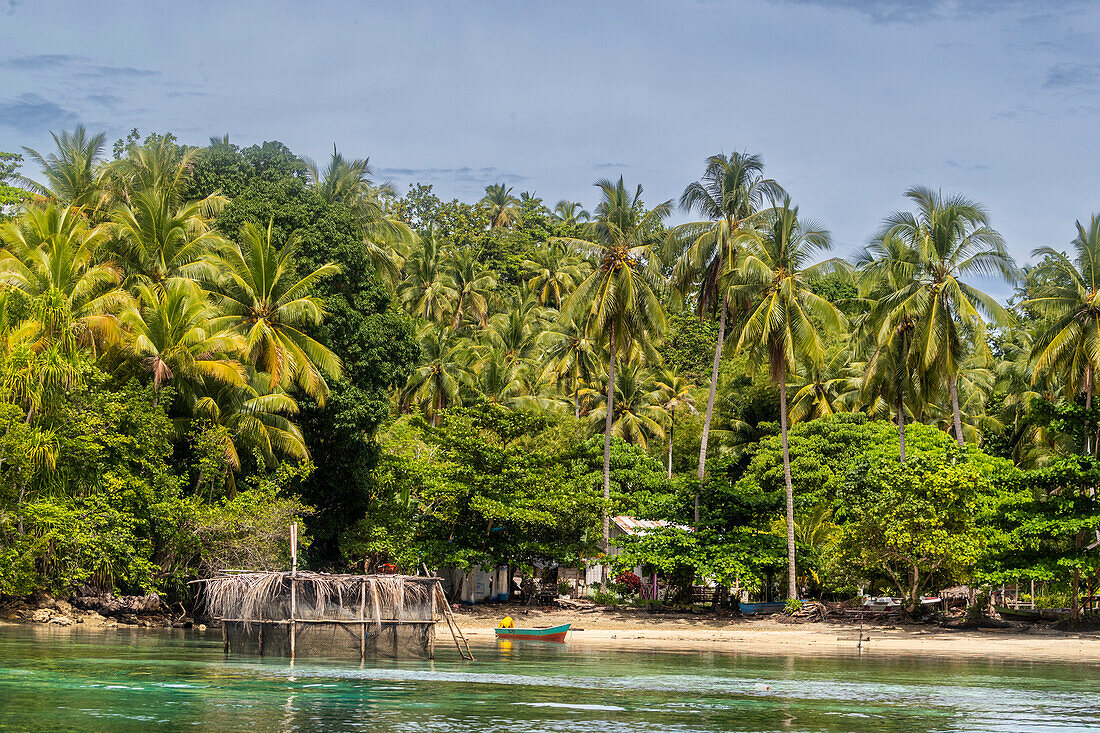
point(326, 615)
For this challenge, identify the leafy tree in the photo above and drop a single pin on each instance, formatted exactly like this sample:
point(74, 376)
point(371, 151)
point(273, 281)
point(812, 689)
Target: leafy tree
point(10, 196)
point(913, 521)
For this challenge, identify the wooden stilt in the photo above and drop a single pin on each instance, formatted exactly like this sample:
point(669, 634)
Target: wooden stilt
point(431, 630)
point(363, 618)
point(225, 639)
point(293, 613)
point(398, 615)
point(261, 634)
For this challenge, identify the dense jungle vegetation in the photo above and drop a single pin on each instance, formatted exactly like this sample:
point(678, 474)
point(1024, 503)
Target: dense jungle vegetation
point(200, 345)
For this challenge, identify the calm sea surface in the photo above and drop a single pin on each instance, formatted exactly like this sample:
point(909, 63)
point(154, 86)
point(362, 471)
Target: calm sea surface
point(75, 680)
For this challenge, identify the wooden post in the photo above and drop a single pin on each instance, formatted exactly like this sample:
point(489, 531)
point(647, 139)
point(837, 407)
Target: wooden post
point(225, 639)
point(363, 618)
point(261, 634)
point(431, 629)
point(1033, 593)
point(293, 587)
point(293, 613)
point(398, 615)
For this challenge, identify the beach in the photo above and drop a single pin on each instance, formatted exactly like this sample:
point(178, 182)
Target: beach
point(769, 636)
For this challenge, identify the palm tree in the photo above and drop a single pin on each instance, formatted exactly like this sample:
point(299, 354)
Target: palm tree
point(673, 393)
point(888, 265)
point(824, 388)
point(266, 303)
point(953, 239)
point(569, 352)
point(253, 415)
point(783, 323)
point(637, 409)
point(554, 273)
point(728, 197)
point(516, 329)
point(502, 205)
point(437, 383)
point(619, 300)
point(570, 213)
point(158, 242)
point(73, 174)
point(50, 262)
point(428, 290)
point(170, 336)
point(1069, 347)
point(159, 167)
point(471, 282)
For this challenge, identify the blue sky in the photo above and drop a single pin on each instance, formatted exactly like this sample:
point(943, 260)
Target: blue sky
point(850, 102)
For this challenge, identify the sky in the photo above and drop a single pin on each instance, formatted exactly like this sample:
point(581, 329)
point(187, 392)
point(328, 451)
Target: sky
point(849, 102)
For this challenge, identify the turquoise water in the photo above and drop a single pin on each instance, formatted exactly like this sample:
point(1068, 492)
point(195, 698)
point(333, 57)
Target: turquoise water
point(75, 680)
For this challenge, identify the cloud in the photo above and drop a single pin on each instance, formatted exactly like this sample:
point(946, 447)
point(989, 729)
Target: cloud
point(1078, 77)
point(612, 165)
point(464, 174)
point(31, 114)
point(1020, 110)
point(116, 72)
point(79, 66)
point(961, 166)
point(36, 62)
point(916, 11)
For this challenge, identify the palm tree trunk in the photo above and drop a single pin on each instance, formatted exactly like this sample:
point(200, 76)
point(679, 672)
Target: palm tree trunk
point(607, 445)
point(792, 578)
point(1088, 406)
point(710, 400)
point(671, 426)
point(576, 400)
point(955, 408)
point(901, 427)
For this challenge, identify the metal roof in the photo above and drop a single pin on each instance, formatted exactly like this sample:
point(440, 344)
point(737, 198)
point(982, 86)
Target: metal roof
point(633, 525)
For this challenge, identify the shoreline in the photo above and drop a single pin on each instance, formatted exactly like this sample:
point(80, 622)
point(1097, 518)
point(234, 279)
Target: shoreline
point(768, 636)
point(603, 628)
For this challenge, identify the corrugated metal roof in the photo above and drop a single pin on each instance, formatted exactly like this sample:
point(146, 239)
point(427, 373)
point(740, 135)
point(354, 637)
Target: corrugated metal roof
point(632, 525)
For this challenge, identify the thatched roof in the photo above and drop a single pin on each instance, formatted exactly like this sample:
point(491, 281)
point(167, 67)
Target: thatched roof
point(250, 596)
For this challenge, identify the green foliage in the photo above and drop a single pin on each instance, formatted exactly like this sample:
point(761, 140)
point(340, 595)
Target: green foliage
point(914, 522)
point(688, 347)
point(10, 196)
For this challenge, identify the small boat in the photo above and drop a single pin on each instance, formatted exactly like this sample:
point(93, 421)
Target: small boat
point(761, 609)
point(552, 633)
point(1029, 615)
